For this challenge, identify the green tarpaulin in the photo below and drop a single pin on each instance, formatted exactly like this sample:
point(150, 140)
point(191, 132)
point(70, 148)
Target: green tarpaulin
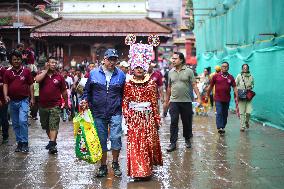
point(246, 31)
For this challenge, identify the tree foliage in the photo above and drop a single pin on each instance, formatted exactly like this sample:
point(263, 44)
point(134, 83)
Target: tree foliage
point(5, 20)
point(189, 6)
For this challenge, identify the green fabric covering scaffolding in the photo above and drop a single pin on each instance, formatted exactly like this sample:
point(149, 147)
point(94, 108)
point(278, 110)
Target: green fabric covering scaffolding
point(246, 31)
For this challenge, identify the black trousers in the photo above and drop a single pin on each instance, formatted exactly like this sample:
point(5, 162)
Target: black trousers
point(184, 109)
point(211, 100)
point(4, 121)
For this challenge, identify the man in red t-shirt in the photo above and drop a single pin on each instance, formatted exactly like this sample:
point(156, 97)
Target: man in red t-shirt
point(91, 66)
point(3, 109)
point(223, 82)
point(157, 76)
point(18, 91)
point(52, 87)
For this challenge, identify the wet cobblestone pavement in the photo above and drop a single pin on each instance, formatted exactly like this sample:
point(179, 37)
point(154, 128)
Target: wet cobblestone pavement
point(253, 159)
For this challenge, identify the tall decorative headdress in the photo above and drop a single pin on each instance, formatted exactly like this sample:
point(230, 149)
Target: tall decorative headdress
point(140, 55)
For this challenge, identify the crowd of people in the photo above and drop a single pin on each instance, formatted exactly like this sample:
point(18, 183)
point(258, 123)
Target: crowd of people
point(124, 97)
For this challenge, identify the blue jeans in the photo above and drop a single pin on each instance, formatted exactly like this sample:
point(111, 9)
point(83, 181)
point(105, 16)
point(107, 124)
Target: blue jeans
point(115, 128)
point(19, 113)
point(222, 114)
point(4, 121)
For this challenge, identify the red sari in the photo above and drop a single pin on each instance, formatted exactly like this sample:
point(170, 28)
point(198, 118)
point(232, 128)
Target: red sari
point(143, 143)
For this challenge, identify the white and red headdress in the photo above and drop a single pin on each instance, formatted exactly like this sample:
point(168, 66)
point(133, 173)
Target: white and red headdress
point(140, 55)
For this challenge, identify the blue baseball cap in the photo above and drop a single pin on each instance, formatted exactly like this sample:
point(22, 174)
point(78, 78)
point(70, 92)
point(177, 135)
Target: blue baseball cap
point(111, 53)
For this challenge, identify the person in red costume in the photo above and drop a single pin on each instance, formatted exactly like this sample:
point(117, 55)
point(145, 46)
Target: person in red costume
point(140, 109)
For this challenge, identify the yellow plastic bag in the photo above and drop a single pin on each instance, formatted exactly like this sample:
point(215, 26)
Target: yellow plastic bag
point(88, 146)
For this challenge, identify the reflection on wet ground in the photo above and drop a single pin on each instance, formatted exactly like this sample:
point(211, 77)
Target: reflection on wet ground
point(253, 159)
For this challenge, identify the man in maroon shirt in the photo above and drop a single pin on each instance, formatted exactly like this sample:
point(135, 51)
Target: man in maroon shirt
point(3, 109)
point(52, 88)
point(157, 76)
point(18, 90)
point(223, 82)
point(91, 66)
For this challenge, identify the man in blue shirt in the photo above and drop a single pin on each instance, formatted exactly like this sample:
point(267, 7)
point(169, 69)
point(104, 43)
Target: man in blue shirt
point(103, 91)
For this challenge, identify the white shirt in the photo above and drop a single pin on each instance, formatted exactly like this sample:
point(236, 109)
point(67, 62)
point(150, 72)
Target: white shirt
point(69, 81)
point(128, 77)
point(108, 76)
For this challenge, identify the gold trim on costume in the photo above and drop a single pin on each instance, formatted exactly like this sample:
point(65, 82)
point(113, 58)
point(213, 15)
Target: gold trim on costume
point(146, 78)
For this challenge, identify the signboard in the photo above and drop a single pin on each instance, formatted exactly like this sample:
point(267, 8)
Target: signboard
point(18, 24)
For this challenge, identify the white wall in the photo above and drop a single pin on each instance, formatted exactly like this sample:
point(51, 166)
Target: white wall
point(154, 14)
point(166, 5)
point(97, 15)
point(97, 7)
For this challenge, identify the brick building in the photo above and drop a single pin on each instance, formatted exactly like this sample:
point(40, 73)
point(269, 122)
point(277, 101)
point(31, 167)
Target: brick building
point(85, 29)
point(79, 39)
point(29, 16)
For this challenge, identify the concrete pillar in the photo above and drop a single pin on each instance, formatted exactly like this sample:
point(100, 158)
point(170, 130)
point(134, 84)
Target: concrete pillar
point(188, 47)
point(189, 44)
